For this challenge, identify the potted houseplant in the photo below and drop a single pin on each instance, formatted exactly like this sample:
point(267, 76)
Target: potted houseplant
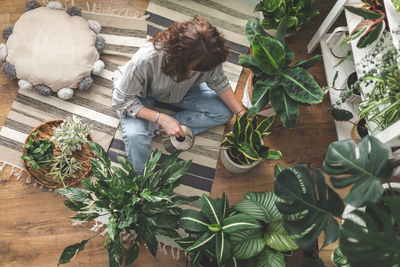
point(244, 147)
point(210, 231)
point(284, 85)
point(309, 205)
point(373, 25)
point(143, 204)
point(296, 12)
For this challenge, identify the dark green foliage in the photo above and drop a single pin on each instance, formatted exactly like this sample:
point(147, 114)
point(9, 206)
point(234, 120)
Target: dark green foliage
point(144, 203)
point(38, 153)
point(296, 12)
point(244, 143)
point(283, 84)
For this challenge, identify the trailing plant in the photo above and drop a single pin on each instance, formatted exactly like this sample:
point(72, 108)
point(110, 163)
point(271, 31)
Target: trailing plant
point(141, 204)
point(70, 135)
point(309, 205)
point(38, 153)
point(263, 246)
point(245, 144)
point(373, 25)
point(278, 81)
point(382, 104)
point(296, 12)
point(211, 229)
point(63, 167)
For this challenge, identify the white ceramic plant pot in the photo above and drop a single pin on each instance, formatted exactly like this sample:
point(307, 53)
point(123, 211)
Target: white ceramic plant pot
point(232, 166)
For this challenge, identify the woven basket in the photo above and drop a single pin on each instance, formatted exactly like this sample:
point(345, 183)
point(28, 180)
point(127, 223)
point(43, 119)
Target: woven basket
point(46, 132)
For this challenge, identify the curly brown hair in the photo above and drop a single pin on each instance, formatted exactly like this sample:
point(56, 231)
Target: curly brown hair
point(192, 45)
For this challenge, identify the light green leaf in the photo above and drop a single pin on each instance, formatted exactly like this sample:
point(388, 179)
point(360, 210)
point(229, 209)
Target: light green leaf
point(277, 238)
point(247, 243)
point(76, 194)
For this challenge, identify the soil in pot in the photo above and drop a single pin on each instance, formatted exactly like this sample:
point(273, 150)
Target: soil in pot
point(351, 80)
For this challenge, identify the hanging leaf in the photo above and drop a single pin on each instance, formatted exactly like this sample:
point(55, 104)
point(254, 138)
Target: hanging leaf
point(307, 205)
point(223, 247)
point(371, 34)
point(132, 254)
point(284, 106)
point(247, 243)
point(115, 253)
point(379, 243)
point(341, 114)
point(70, 252)
point(365, 172)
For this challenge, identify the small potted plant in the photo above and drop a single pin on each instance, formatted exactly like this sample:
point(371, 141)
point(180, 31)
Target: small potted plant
point(244, 147)
point(56, 153)
point(297, 13)
point(144, 205)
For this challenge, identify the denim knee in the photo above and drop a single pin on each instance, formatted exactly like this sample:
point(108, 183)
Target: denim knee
point(224, 115)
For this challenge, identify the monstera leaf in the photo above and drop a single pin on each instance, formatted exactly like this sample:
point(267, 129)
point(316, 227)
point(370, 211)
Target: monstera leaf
point(365, 169)
point(307, 205)
point(379, 243)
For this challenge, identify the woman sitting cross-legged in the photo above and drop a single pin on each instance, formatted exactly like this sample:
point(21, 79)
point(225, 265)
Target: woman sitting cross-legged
point(181, 66)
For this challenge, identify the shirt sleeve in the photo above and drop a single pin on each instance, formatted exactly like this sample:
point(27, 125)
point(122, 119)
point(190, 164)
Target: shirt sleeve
point(128, 87)
point(218, 81)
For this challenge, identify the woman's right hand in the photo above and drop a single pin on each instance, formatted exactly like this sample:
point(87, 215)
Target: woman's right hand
point(170, 125)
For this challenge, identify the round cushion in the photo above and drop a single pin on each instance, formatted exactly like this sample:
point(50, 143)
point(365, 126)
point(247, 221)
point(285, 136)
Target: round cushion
point(50, 47)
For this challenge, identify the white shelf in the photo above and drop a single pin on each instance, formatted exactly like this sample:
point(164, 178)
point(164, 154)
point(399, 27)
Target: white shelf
point(343, 128)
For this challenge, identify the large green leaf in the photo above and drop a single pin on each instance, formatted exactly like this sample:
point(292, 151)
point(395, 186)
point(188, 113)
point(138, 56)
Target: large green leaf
point(175, 171)
point(284, 106)
point(248, 151)
point(269, 257)
point(365, 13)
point(132, 254)
point(248, 61)
point(307, 205)
point(112, 226)
point(193, 221)
point(115, 253)
point(270, 54)
point(371, 34)
point(222, 248)
point(246, 243)
point(379, 243)
point(238, 222)
point(260, 205)
point(70, 252)
point(260, 96)
point(308, 63)
point(76, 194)
point(211, 209)
point(204, 240)
point(365, 169)
point(252, 27)
point(301, 86)
point(277, 238)
point(151, 164)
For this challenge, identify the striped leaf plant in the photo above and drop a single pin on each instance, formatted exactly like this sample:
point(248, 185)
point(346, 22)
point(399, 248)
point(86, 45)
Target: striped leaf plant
point(211, 228)
point(245, 143)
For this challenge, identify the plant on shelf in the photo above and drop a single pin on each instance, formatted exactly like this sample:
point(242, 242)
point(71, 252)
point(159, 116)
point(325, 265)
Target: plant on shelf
point(373, 24)
point(278, 81)
point(296, 12)
point(211, 228)
point(39, 153)
point(144, 205)
point(70, 135)
point(309, 205)
point(263, 246)
point(382, 105)
point(245, 143)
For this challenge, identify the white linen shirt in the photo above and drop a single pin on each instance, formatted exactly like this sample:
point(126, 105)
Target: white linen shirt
point(142, 77)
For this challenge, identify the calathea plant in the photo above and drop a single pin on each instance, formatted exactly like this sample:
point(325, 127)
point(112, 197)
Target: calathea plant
point(308, 204)
point(261, 246)
point(284, 85)
point(211, 228)
point(245, 144)
point(144, 205)
point(296, 12)
point(369, 29)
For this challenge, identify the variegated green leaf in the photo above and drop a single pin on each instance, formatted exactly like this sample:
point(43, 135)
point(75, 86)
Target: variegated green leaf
point(277, 238)
point(193, 221)
point(246, 243)
point(222, 247)
point(238, 222)
point(203, 240)
point(211, 209)
point(265, 124)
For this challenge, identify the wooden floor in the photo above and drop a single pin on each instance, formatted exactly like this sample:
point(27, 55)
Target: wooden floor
point(34, 224)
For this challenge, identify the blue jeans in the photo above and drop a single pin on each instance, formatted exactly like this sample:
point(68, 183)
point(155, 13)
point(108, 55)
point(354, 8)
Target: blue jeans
point(202, 110)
